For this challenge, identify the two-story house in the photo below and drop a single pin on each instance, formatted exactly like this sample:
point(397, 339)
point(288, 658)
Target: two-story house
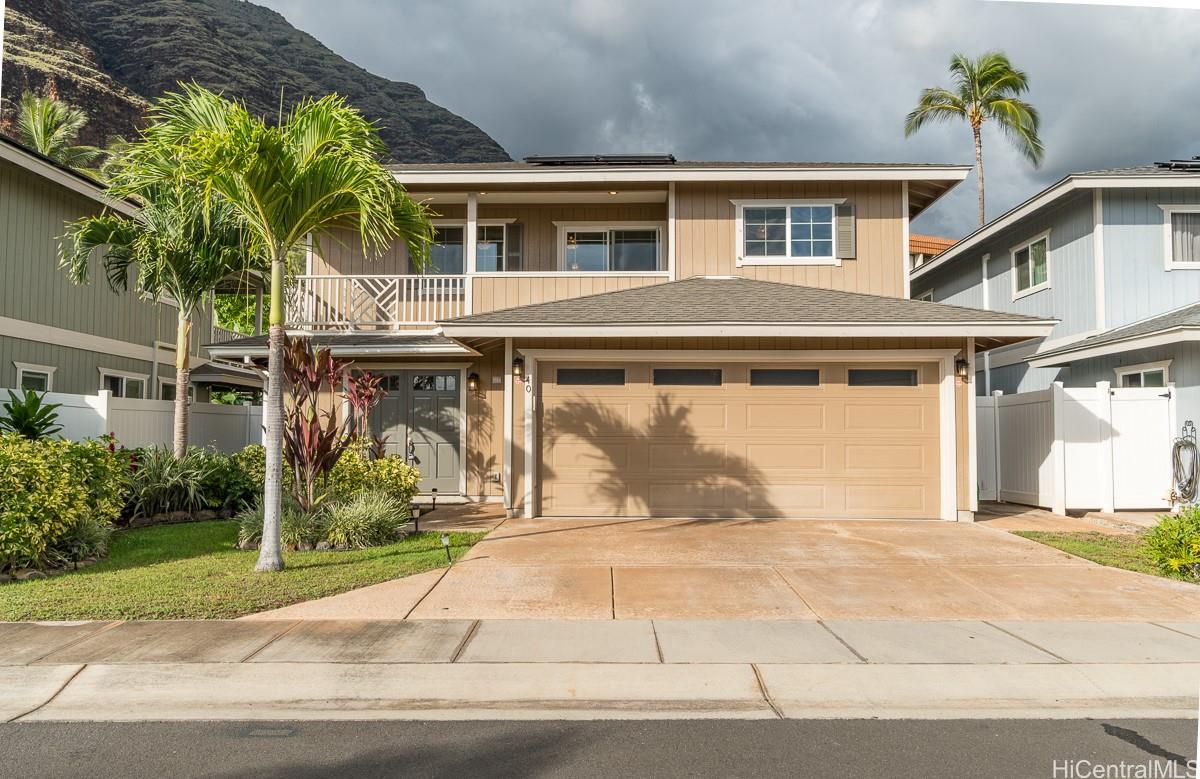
point(59, 337)
point(1114, 256)
point(635, 335)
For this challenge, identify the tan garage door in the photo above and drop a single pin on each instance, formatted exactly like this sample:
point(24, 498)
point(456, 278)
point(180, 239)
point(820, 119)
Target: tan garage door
point(737, 439)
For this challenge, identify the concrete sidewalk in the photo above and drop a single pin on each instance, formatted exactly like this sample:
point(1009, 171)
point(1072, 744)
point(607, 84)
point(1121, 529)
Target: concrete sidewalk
point(467, 669)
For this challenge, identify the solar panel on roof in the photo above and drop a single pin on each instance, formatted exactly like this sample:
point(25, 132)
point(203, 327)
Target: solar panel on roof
point(1192, 164)
point(600, 159)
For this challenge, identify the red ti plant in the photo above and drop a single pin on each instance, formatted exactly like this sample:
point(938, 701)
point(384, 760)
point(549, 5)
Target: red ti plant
point(364, 391)
point(312, 439)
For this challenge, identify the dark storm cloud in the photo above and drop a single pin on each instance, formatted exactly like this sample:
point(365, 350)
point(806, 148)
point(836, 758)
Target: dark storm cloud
point(768, 79)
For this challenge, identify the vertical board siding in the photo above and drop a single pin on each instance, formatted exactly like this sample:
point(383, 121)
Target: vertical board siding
point(1137, 284)
point(1070, 297)
point(706, 234)
point(33, 215)
point(78, 370)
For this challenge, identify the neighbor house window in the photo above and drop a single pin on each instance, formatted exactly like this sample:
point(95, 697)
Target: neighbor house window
point(166, 391)
point(35, 377)
point(1150, 375)
point(1031, 266)
point(1181, 236)
point(927, 296)
point(489, 248)
point(603, 249)
point(800, 232)
point(123, 385)
point(497, 248)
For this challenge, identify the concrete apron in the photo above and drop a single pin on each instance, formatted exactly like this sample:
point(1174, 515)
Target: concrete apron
point(603, 669)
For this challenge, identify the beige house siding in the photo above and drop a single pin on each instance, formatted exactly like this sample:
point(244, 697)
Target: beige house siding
point(706, 228)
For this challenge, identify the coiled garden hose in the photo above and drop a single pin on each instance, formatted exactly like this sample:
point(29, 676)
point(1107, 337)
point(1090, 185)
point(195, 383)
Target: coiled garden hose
point(1183, 462)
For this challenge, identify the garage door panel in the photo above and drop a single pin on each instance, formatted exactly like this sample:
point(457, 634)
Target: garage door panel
point(773, 456)
point(873, 498)
point(805, 415)
point(883, 416)
point(741, 449)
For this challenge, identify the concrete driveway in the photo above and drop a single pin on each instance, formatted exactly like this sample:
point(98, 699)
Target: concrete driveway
point(762, 569)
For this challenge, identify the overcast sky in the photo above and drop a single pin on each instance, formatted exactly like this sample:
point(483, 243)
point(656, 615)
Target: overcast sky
point(785, 79)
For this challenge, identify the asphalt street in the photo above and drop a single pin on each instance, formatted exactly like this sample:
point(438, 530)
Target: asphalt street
point(758, 749)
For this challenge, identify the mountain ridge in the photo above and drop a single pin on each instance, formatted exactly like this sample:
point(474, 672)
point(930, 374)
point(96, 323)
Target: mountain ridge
point(129, 53)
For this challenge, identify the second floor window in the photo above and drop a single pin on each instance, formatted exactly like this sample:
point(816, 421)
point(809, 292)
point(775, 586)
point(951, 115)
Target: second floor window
point(1031, 266)
point(1185, 239)
point(801, 232)
point(446, 251)
point(615, 249)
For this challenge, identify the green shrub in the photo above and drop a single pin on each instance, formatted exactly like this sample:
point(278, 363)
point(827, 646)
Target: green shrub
point(164, 483)
point(26, 415)
point(356, 472)
point(367, 519)
point(47, 489)
point(297, 530)
point(1174, 544)
point(225, 485)
point(252, 461)
point(87, 538)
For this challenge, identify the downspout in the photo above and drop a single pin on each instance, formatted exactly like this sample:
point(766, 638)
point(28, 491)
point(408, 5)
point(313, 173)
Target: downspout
point(987, 356)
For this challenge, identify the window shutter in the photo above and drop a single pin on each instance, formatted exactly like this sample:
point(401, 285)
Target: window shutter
point(845, 231)
point(512, 246)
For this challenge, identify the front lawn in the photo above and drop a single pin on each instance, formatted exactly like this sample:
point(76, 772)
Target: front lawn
point(1118, 551)
point(193, 571)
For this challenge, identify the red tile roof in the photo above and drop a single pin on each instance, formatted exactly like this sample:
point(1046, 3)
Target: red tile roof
point(929, 245)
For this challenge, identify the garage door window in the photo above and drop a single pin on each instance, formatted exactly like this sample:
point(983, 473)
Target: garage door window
point(785, 377)
point(687, 377)
point(882, 377)
point(596, 377)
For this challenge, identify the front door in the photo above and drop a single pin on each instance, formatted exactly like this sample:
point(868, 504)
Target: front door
point(422, 418)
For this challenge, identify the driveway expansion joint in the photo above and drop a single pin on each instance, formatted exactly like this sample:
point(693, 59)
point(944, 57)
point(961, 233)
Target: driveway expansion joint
point(54, 695)
point(1022, 639)
point(462, 645)
point(272, 640)
point(762, 687)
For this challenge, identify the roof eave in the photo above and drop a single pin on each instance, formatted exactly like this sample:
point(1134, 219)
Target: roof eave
point(985, 329)
point(64, 177)
point(667, 173)
point(1082, 351)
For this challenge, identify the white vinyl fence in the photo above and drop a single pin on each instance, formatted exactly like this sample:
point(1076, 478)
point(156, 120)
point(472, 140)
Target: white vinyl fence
point(151, 422)
point(1077, 448)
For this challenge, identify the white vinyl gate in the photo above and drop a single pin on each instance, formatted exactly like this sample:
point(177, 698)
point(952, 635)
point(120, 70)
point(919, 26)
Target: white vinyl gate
point(1077, 448)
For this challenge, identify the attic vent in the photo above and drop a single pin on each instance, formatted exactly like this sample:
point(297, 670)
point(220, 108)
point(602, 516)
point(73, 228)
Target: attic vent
point(600, 159)
point(1192, 164)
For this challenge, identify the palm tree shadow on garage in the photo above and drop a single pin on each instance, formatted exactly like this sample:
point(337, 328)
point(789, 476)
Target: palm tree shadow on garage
point(716, 483)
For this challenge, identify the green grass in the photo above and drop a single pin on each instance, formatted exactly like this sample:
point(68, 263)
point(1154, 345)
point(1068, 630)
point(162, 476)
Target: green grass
point(193, 571)
point(1118, 551)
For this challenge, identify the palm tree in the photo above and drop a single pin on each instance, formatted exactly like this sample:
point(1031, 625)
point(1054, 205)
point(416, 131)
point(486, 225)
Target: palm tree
point(316, 170)
point(51, 128)
point(985, 89)
point(176, 247)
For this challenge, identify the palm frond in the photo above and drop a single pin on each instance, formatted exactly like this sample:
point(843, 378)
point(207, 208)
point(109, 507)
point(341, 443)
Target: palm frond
point(935, 105)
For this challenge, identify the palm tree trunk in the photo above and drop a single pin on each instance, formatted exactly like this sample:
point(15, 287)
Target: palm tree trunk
point(183, 375)
point(270, 555)
point(979, 169)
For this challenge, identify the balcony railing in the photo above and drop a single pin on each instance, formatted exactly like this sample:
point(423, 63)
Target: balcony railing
point(222, 335)
point(375, 302)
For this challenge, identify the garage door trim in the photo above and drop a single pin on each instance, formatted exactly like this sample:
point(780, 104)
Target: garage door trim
point(948, 508)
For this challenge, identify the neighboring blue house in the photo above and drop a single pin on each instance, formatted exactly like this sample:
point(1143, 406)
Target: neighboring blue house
point(1114, 255)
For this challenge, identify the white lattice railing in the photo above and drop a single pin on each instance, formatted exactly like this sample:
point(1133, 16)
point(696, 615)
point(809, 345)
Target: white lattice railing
point(350, 302)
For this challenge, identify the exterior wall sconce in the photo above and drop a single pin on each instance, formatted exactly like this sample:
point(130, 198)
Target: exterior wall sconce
point(473, 382)
point(962, 369)
point(518, 368)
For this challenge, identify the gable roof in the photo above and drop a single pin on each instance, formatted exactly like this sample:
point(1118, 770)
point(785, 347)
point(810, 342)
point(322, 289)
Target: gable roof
point(1173, 326)
point(30, 160)
point(732, 305)
point(1136, 176)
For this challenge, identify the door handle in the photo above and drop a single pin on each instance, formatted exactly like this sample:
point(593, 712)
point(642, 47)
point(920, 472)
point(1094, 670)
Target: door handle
point(411, 456)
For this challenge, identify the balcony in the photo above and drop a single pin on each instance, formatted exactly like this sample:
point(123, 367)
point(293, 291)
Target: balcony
point(334, 302)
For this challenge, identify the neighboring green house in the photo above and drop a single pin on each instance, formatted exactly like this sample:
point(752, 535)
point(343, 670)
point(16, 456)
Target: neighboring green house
point(59, 337)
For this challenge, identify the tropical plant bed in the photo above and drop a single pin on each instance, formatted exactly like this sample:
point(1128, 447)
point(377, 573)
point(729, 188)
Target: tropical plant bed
point(1114, 550)
point(194, 571)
